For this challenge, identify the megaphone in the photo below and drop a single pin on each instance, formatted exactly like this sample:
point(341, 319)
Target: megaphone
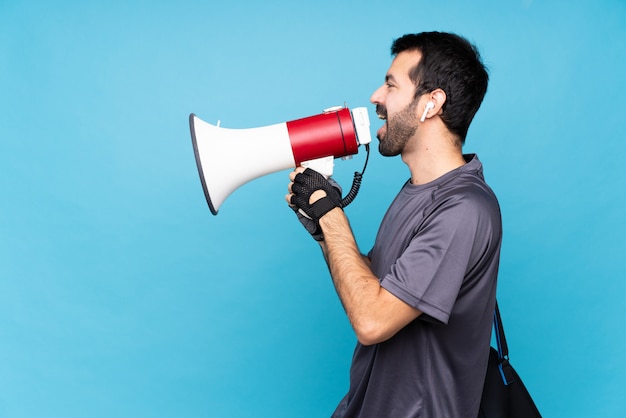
point(228, 158)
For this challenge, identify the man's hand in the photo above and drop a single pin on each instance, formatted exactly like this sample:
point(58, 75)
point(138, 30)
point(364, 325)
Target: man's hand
point(311, 196)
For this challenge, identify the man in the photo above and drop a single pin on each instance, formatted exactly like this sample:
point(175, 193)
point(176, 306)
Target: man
point(421, 303)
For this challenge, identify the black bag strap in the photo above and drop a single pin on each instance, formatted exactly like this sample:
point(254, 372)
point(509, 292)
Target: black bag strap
point(506, 371)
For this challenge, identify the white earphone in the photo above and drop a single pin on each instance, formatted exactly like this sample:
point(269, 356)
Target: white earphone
point(429, 106)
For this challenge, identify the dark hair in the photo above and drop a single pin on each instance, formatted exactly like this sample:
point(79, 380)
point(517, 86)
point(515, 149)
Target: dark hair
point(453, 64)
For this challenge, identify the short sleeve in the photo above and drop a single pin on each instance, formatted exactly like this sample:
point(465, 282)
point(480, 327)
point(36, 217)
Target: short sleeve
point(429, 273)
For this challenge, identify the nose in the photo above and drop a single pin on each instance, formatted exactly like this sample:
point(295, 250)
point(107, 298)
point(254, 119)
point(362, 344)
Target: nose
point(377, 96)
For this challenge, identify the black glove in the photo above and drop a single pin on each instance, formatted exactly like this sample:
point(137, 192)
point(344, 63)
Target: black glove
point(311, 226)
point(304, 185)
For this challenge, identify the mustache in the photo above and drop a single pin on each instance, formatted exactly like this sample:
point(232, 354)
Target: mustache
point(381, 111)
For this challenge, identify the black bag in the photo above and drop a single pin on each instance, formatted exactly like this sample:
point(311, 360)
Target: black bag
point(504, 393)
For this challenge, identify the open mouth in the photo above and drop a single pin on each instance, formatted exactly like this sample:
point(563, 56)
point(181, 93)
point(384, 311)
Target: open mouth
point(381, 112)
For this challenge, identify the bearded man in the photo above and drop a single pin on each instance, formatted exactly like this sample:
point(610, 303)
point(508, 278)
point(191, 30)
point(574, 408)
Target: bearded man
point(421, 302)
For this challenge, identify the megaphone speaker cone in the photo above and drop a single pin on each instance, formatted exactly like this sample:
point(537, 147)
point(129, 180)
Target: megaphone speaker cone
point(228, 158)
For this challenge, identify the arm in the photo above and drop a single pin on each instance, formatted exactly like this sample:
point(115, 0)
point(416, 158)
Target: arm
point(366, 259)
point(375, 314)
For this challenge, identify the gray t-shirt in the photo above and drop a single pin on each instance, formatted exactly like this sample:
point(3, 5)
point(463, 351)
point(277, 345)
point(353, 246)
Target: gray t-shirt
point(437, 249)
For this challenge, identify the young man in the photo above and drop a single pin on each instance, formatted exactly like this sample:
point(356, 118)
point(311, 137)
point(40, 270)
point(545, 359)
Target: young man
point(421, 303)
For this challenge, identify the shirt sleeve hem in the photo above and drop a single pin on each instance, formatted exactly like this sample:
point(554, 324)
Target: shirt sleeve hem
point(420, 304)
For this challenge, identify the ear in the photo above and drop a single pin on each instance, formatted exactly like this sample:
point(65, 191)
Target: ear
point(434, 103)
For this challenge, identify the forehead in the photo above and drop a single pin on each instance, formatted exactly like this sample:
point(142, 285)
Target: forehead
point(402, 65)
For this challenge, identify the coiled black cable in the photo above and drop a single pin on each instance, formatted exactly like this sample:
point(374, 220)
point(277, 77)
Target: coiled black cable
point(356, 183)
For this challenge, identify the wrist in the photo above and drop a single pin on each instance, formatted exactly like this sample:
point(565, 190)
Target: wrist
point(332, 219)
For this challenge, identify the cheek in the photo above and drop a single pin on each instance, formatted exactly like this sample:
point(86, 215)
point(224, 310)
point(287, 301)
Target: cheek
point(398, 102)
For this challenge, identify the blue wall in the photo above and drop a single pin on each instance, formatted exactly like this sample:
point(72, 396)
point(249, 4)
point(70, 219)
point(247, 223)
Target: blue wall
point(122, 296)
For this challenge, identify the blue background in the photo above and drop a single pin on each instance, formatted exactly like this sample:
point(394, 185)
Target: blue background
point(122, 296)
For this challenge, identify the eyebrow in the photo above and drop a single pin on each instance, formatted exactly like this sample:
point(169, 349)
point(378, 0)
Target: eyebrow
point(390, 77)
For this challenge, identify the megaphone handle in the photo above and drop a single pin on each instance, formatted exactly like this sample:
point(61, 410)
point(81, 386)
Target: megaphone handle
point(323, 165)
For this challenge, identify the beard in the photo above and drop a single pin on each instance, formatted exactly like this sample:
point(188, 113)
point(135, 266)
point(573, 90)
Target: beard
point(400, 128)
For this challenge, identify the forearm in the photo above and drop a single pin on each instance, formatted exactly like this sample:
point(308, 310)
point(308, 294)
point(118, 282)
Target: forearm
point(375, 313)
point(358, 288)
point(365, 258)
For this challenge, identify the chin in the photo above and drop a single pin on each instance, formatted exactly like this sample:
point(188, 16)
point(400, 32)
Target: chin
point(385, 152)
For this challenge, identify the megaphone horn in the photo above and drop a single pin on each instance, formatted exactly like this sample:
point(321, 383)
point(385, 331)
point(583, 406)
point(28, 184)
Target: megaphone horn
point(228, 158)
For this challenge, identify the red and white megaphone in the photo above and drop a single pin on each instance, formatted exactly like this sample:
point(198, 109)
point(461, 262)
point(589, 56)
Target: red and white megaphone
point(228, 158)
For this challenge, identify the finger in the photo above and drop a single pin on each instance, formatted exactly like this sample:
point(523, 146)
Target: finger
point(300, 178)
point(295, 172)
point(296, 188)
point(293, 201)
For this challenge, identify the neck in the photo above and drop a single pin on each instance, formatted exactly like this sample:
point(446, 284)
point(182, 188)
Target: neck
point(431, 157)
